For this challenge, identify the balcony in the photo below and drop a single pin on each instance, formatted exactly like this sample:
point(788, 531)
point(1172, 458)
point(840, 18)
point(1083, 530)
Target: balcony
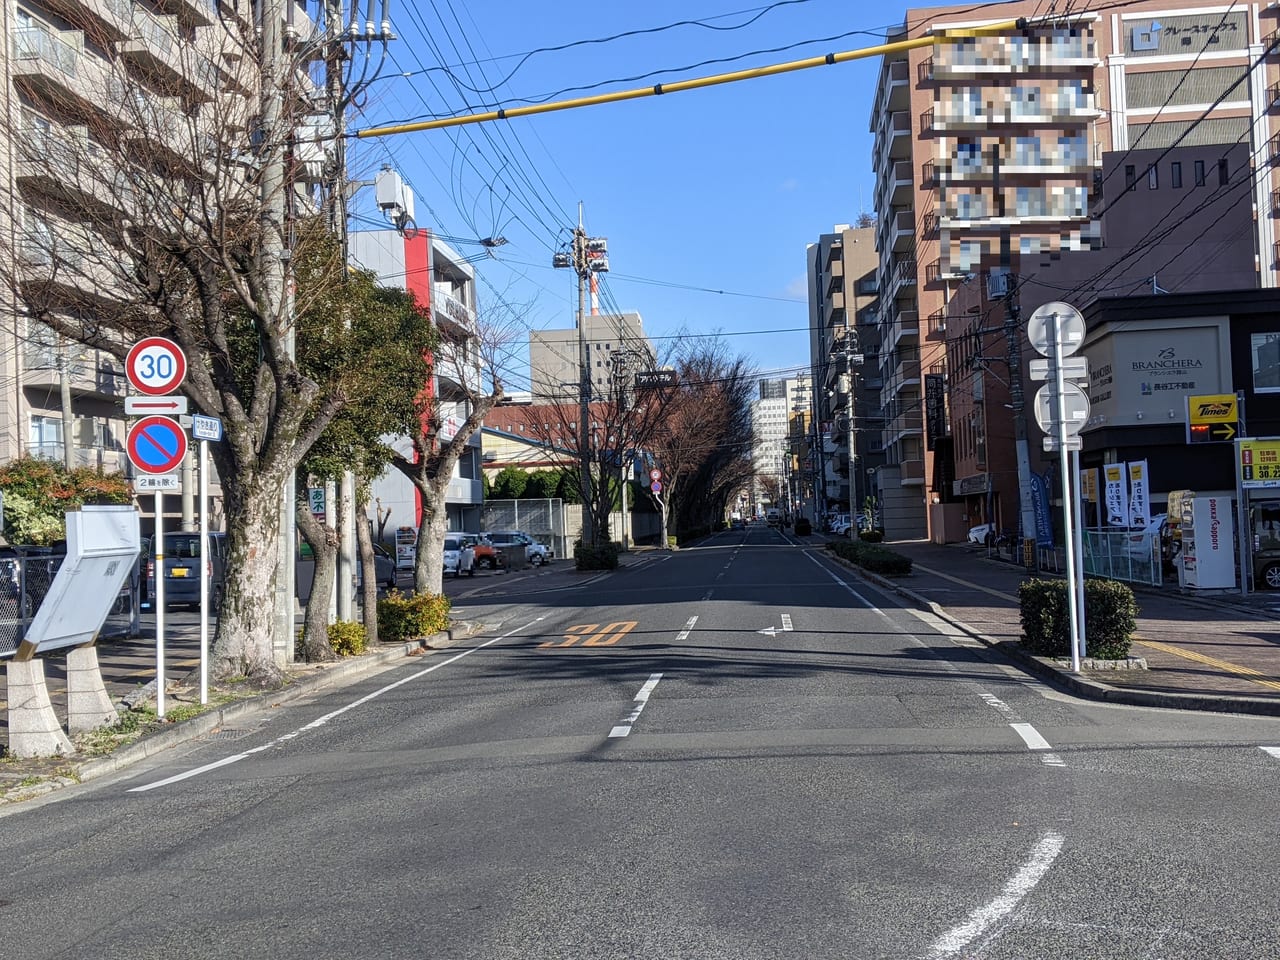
point(902, 276)
point(898, 135)
point(938, 325)
point(98, 458)
point(833, 309)
point(1004, 56)
point(62, 162)
point(51, 66)
point(911, 472)
point(896, 187)
point(905, 375)
point(157, 49)
point(92, 372)
point(902, 231)
point(939, 271)
point(907, 327)
point(192, 13)
point(1056, 110)
point(59, 268)
point(835, 276)
point(110, 18)
point(896, 89)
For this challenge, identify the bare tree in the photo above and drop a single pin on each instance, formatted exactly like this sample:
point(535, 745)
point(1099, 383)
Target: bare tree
point(168, 196)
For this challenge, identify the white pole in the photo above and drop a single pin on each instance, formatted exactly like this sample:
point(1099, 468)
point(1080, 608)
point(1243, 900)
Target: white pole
point(159, 602)
point(204, 571)
point(1067, 512)
point(1077, 514)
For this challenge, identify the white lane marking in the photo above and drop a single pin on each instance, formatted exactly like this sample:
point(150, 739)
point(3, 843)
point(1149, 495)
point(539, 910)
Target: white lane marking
point(1022, 883)
point(1052, 760)
point(1274, 751)
point(688, 627)
point(786, 622)
point(1031, 736)
point(321, 721)
point(641, 699)
point(995, 702)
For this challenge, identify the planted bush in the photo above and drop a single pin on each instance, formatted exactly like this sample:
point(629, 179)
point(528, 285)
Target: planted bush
point(871, 536)
point(601, 556)
point(347, 638)
point(405, 617)
point(1111, 616)
point(872, 557)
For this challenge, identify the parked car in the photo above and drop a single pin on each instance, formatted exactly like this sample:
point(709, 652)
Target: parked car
point(535, 552)
point(183, 555)
point(459, 558)
point(488, 557)
point(983, 534)
point(384, 567)
point(1145, 545)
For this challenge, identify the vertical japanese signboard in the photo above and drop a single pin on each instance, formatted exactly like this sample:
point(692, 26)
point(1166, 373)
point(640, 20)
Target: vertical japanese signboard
point(1139, 494)
point(1117, 504)
point(1258, 462)
point(935, 410)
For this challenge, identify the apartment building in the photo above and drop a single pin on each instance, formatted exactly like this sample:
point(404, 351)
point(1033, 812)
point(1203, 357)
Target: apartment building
point(616, 349)
point(107, 98)
point(442, 281)
point(989, 158)
point(845, 350)
point(770, 426)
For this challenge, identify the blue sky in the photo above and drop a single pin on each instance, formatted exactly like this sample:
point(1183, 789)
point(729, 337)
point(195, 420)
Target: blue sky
point(719, 188)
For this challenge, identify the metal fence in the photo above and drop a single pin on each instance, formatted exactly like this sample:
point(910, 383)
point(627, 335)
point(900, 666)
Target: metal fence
point(1122, 556)
point(543, 520)
point(24, 584)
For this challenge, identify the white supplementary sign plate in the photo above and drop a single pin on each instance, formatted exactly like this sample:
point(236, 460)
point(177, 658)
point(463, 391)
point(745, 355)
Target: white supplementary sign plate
point(145, 406)
point(206, 428)
point(167, 481)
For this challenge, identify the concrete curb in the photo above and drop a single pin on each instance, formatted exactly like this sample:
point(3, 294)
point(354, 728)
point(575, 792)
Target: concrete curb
point(300, 686)
point(1081, 686)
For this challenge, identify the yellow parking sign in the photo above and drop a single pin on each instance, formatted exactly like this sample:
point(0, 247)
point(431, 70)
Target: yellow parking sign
point(1259, 463)
point(1212, 417)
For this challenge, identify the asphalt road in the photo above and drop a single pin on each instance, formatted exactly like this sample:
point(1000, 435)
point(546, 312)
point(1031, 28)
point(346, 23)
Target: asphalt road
point(734, 751)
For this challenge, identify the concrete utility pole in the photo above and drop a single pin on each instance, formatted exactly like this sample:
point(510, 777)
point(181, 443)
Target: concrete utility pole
point(68, 414)
point(273, 266)
point(1013, 337)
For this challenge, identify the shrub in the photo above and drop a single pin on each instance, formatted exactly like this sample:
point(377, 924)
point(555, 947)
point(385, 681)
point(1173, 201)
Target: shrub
point(871, 536)
point(671, 541)
point(601, 556)
point(1111, 616)
point(872, 557)
point(803, 527)
point(406, 617)
point(347, 638)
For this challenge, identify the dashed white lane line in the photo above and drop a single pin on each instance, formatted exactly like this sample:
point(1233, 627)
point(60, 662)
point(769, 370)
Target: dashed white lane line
point(1273, 751)
point(688, 628)
point(1030, 736)
point(641, 699)
point(321, 721)
point(786, 622)
point(984, 917)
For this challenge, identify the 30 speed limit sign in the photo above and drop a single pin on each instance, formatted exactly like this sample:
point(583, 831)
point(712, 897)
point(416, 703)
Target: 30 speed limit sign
point(155, 366)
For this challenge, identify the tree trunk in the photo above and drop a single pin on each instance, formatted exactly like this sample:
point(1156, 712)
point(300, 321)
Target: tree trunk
point(252, 564)
point(324, 548)
point(428, 560)
point(368, 569)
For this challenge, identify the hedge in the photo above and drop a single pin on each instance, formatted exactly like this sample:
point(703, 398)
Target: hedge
point(406, 617)
point(347, 638)
point(1111, 616)
point(601, 556)
point(872, 557)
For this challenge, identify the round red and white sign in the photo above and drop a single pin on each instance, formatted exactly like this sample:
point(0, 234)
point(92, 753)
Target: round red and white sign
point(655, 474)
point(155, 366)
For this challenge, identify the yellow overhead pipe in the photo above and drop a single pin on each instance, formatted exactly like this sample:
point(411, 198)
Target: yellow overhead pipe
point(694, 84)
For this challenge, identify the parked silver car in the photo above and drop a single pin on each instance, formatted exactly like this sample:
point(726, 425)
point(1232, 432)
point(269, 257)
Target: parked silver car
point(459, 557)
point(535, 552)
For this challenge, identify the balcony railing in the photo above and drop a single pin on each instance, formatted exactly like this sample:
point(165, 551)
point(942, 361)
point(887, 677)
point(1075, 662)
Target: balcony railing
point(44, 43)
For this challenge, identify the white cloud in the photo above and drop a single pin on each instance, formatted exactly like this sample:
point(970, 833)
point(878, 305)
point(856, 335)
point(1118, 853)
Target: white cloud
point(799, 287)
point(789, 185)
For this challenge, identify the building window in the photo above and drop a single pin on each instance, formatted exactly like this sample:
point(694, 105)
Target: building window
point(1130, 176)
point(1224, 173)
point(1153, 177)
point(1175, 175)
point(1266, 362)
point(1199, 168)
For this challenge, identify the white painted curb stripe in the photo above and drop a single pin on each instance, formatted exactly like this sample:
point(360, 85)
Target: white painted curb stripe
point(1022, 883)
point(321, 721)
point(1031, 736)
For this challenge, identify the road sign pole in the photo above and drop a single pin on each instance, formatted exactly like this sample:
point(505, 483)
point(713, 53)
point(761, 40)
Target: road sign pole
point(1077, 533)
point(1244, 538)
point(1067, 512)
point(158, 540)
point(203, 509)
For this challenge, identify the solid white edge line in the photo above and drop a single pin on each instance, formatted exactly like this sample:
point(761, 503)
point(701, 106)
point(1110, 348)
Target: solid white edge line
point(1022, 883)
point(234, 758)
point(1274, 751)
point(1030, 736)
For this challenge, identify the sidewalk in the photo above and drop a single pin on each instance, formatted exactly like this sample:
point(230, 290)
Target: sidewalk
point(1201, 654)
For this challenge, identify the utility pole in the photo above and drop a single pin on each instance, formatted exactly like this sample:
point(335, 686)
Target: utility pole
point(1013, 338)
point(273, 268)
point(589, 255)
point(68, 414)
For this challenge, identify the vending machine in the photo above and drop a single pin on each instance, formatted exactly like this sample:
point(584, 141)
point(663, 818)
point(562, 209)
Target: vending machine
point(1208, 560)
